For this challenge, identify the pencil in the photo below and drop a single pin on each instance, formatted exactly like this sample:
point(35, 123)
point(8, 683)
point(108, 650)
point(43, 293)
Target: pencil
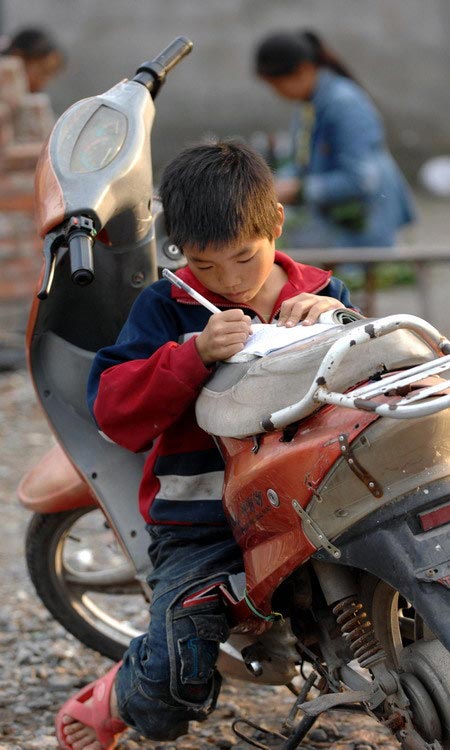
point(195, 295)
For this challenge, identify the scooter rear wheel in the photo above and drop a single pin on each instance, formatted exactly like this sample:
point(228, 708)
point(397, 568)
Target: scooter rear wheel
point(423, 661)
point(83, 578)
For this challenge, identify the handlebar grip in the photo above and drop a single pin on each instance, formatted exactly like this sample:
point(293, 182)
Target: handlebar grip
point(81, 259)
point(152, 74)
point(173, 53)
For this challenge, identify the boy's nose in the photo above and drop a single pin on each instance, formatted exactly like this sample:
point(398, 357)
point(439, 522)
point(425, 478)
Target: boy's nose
point(229, 280)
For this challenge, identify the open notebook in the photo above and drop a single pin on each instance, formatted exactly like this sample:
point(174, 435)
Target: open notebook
point(270, 338)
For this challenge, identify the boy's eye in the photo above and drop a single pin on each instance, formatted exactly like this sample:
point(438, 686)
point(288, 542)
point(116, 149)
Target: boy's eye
point(247, 260)
point(204, 268)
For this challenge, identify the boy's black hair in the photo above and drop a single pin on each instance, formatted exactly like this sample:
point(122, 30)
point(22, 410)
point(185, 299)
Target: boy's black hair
point(216, 193)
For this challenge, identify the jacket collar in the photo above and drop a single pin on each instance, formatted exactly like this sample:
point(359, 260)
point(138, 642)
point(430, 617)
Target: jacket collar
point(301, 278)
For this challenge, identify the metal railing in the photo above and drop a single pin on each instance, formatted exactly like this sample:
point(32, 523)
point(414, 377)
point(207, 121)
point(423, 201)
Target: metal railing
point(421, 257)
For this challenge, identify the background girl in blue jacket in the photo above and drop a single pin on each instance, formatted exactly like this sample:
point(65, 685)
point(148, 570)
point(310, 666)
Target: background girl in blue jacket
point(342, 183)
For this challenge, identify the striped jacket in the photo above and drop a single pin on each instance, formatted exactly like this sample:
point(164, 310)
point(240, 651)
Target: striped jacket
point(142, 393)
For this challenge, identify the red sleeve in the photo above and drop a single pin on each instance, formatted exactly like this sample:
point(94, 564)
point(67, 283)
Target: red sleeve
point(138, 400)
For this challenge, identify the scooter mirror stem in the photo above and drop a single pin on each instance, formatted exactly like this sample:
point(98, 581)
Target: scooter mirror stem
point(152, 74)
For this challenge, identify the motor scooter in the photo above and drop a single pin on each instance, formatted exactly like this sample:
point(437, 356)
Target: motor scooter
point(336, 452)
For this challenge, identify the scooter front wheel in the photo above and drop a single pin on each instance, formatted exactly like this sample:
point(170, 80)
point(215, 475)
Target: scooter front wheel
point(85, 581)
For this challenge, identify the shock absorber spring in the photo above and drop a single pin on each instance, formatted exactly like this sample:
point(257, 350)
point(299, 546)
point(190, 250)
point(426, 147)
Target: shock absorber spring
point(357, 629)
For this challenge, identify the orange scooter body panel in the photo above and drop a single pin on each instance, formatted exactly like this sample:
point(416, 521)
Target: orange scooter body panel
point(53, 485)
point(266, 525)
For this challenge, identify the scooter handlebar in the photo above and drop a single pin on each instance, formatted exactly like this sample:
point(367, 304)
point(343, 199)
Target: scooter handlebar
point(80, 234)
point(81, 260)
point(174, 53)
point(152, 74)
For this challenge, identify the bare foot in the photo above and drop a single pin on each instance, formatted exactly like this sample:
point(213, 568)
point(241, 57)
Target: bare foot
point(81, 737)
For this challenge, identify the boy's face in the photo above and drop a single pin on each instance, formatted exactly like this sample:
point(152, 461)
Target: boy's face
point(237, 271)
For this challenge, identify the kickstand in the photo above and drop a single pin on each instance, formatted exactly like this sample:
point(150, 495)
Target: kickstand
point(299, 733)
point(288, 725)
point(291, 739)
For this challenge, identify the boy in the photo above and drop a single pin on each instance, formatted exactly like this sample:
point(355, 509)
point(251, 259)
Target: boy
point(221, 209)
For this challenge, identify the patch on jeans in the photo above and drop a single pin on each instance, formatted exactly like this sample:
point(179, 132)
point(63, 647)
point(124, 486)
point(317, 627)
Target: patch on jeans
point(199, 650)
point(204, 596)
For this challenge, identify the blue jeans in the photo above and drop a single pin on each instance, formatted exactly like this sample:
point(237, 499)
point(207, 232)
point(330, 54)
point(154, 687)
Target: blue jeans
point(168, 677)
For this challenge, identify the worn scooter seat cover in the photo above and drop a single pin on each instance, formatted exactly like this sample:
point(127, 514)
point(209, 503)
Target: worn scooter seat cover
point(240, 395)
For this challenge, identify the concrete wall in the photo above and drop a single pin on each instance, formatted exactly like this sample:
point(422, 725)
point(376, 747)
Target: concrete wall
point(397, 48)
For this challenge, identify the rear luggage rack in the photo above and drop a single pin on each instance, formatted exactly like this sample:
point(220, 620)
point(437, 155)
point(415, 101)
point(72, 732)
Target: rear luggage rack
point(414, 405)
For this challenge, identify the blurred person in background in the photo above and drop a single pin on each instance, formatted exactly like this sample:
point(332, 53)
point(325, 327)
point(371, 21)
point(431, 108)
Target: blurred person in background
point(340, 185)
point(29, 60)
point(42, 57)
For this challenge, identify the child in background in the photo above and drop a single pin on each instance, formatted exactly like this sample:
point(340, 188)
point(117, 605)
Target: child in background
point(42, 57)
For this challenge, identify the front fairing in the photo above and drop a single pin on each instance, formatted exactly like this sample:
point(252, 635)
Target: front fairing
point(97, 163)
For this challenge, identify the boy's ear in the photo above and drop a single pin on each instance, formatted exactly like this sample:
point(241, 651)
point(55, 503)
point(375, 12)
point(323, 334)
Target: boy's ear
point(279, 225)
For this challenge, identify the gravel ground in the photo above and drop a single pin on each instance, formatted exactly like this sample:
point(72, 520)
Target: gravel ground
point(42, 665)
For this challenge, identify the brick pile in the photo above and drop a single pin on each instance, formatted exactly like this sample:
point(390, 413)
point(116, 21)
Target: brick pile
point(25, 122)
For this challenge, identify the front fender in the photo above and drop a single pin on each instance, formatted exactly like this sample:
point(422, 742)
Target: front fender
point(391, 544)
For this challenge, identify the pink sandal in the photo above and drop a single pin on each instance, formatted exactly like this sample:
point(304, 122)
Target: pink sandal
point(97, 715)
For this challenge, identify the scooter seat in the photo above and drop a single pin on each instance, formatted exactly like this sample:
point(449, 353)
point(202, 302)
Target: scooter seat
point(240, 395)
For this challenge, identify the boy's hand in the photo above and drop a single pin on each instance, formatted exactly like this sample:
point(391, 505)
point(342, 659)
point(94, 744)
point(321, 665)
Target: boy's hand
point(224, 335)
point(306, 308)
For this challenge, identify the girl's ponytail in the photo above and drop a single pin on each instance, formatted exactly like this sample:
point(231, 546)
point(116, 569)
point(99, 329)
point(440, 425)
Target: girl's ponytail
point(282, 52)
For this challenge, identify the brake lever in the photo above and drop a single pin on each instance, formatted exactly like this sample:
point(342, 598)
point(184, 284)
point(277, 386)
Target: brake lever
point(52, 242)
